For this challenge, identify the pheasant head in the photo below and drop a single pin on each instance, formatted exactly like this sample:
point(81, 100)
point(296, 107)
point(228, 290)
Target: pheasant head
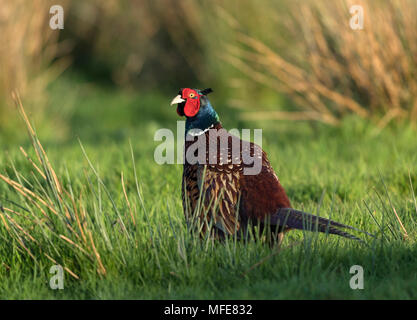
point(196, 107)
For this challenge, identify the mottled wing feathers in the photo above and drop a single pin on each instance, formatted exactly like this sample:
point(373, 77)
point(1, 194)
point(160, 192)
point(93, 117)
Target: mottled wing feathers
point(212, 188)
point(190, 191)
point(220, 196)
point(224, 184)
point(212, 196)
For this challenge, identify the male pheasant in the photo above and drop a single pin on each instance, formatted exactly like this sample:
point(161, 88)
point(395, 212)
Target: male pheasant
point(218, 197)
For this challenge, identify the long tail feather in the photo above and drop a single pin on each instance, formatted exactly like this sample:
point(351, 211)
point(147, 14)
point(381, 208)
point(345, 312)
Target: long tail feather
point(296, 219)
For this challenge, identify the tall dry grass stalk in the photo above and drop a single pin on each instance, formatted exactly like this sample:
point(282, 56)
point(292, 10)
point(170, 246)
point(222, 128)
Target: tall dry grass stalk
point(57, 222)
point(333, 70)
point(27, 50)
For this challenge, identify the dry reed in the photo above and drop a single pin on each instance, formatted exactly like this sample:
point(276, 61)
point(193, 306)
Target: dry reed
point(333, 70)
point(52, 211)
point(30, 55)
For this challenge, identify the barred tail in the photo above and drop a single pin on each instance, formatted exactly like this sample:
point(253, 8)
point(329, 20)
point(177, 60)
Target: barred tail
point(296, 219)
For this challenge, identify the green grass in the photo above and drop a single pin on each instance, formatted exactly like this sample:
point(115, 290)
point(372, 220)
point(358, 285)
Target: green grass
point(334, 170)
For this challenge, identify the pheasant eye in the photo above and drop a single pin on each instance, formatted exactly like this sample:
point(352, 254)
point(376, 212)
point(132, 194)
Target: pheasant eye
point(191, 95)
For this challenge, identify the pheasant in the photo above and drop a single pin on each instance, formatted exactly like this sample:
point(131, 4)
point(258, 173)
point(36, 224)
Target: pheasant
point(218, 197)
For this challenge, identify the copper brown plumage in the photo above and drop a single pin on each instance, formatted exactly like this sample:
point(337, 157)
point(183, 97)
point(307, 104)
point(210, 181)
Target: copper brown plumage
point(218, 197)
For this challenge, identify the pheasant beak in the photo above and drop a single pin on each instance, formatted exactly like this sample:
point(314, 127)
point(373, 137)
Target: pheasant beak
point(177, 100)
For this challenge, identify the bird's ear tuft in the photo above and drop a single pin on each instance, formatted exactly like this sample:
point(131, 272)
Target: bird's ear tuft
point(206, 91)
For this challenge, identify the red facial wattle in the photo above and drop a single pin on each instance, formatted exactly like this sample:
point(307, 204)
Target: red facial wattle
point(192, 104)
point(191, 107)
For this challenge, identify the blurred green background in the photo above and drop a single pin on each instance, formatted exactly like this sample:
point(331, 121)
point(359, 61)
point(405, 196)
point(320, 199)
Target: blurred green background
point(266, 60)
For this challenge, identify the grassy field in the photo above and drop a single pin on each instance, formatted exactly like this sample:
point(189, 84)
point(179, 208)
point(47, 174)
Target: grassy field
point(140, 248)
